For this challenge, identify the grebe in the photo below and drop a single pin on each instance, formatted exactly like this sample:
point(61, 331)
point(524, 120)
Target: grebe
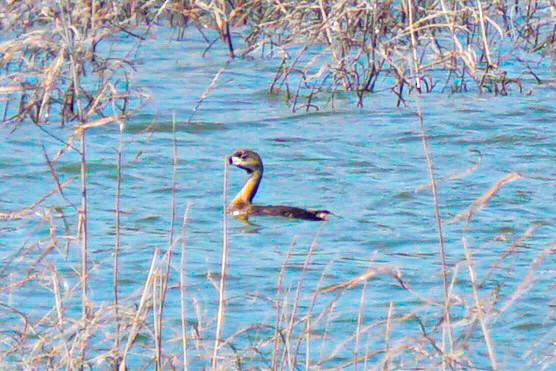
point(242, 206)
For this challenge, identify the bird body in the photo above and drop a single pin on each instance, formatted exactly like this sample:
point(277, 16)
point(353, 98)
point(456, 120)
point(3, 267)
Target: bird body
point(242, 204)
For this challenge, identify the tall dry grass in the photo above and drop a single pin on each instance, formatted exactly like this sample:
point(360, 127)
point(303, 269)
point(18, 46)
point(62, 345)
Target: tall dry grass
point(56, 61)
point(127, 333)
point(54, 69)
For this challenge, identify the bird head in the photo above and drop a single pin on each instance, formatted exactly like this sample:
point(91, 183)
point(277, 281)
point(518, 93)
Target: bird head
point(247, 160)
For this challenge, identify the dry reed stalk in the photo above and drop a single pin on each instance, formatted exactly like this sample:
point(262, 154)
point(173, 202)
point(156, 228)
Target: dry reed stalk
point(116, 262)
point(308, 323)
point(412, 31)
point(525, 283)
point(56, 177)
point(457, 176)
point(387, 335)
point(440, 232)
point(60, 315)
point(79, 132)
point(73, 63)
point(278, 318)
point(479, 203)
point(307, 344)
point(365, 358)
point(479, 308)
point(512, 249)
point(199, 328)
point(361, 279)
point(484, 34)
point(169, 254)
point(99, 123)
point(358, 327)
point(223, 270)
point(450, 291)
point(174, 178)
point(139, 315)
point(83, 222)
point(328, 311)
point(279, 336)
point(341, 345)
point(207, 91)
point(157, 319)
point(287, 355)
point(183, 307)
point(476, 206)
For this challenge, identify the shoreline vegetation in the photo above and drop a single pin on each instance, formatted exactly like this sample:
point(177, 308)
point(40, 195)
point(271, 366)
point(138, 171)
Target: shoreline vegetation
point(57, 68)
point(55, 63)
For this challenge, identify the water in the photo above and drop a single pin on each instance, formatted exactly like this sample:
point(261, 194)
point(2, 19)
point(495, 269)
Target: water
point(364, 165)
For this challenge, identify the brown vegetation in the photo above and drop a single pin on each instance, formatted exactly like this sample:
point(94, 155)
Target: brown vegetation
point(54, 59)
point(52, 69)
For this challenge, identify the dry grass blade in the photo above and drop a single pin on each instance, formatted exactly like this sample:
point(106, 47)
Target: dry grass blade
point(456, 176)
point(447, 325)
point(183, 307)
point(206, 93)
point(223, 271)
point(526, 282)
point(387, 332)
point(485, 198)
point(56, 177)
point(476, 206)
point(98, 123)
point(288, 354)
point(280, 307)
point(84, 231)
point(11, 89)
point(139, 316)
point(512, 249)
point(174, 179)
point(361, 279)
point(117, 242)
point(360, 319)
point(479, 306)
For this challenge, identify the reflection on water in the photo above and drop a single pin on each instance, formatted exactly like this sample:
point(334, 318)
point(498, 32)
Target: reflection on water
point(365, 165)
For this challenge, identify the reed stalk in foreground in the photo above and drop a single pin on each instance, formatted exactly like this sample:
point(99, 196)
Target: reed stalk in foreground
point(183, 307)
point(447, 326)
point(288, 355)
point(223, 270)
point(174, 179)
point(163, 287)
point(84, 231)
point(116, 264)
point(140, 313)
point(279, 308)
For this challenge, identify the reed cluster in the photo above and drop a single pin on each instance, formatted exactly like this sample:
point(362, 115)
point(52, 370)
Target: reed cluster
point(57, 57)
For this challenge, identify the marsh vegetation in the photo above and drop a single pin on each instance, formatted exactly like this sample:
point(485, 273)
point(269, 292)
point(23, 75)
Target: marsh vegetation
point(115, 252)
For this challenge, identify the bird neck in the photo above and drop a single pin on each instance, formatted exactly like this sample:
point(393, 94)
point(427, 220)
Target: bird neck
point(247, 193)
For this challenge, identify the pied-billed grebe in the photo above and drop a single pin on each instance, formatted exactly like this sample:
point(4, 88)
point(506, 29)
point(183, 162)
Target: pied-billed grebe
point(241, 205)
